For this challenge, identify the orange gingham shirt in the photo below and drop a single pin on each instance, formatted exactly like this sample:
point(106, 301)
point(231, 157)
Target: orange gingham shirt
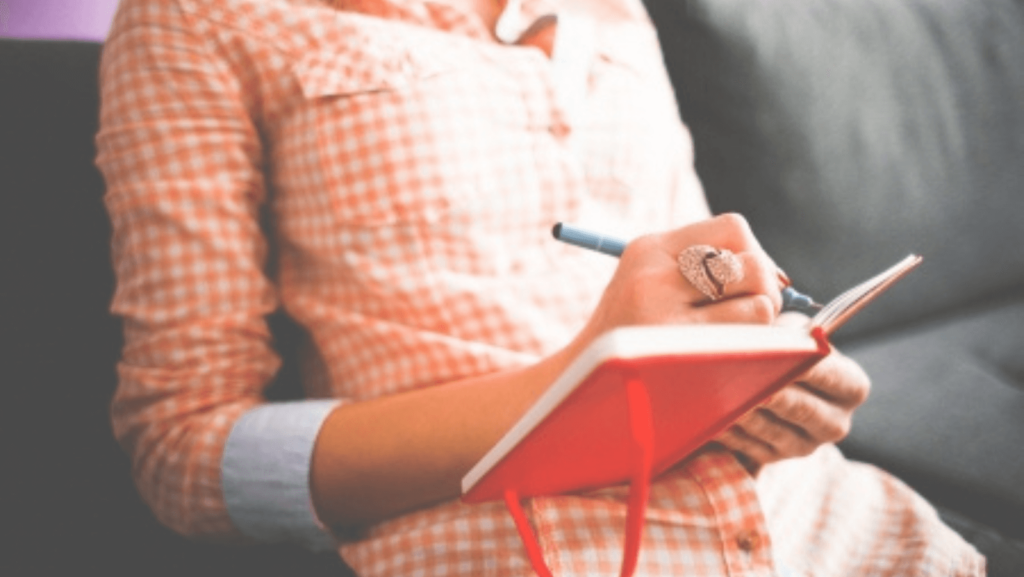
point(402, 171)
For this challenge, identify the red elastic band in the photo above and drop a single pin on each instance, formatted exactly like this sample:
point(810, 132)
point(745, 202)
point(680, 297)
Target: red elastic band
point(642, 430)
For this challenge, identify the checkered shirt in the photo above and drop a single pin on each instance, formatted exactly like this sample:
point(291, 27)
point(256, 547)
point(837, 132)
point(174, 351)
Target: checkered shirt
point(388, 173)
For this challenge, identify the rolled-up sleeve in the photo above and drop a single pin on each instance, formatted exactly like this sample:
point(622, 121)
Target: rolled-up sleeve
point(266, 473)
point(182, 160)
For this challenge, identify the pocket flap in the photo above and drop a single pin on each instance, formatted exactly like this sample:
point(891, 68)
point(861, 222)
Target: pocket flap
point(352, 68)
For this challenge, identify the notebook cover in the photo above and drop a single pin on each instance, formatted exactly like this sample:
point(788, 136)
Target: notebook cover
point(585, 442)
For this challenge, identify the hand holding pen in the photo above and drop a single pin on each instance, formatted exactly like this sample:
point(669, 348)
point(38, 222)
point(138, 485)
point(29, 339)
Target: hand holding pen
point(707, 271)
point(797, 419)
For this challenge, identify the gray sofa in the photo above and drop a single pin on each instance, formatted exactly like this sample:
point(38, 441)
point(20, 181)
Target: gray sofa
point(850, 132)
point(854, 132)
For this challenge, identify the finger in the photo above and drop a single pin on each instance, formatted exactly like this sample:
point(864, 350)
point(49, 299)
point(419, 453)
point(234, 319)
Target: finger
point(756, 275)
point(756, 309)
point(737, 440)
point(759, 278)
point(793, 319)
point(839, 380)
point(730, 231)
point(785, 438)
point(823, 421)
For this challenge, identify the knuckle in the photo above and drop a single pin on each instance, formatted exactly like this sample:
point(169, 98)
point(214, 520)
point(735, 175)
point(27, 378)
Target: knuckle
point(756, 425)
point(642, 244)
point(780, 401)
point(739, 442)
point(839, 429)
point(747, 418)
point(765, 270)
point(862, 391)
point(801, 410)
point(768, 280)
point(832, 427)
point(860, 394)
point(761, 454)
point(736, 224)
point(805, 448)
point(734, 221)
point(648, 239)
point(848, 378)
point(772, 434)
point(759, 276)
point(730, 439)
point(762, 309)
point(749, 442)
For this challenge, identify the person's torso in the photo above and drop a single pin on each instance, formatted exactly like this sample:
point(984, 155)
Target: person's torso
point(417, 166)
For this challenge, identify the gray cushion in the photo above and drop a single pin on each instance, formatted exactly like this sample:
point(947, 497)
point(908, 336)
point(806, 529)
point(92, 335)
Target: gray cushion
point(946, 411)
point(853, 132)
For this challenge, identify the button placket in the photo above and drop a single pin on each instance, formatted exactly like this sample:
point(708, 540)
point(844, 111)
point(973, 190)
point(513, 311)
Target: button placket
point(732, 495)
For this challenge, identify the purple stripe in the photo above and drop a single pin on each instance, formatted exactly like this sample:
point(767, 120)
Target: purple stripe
point(56, 19)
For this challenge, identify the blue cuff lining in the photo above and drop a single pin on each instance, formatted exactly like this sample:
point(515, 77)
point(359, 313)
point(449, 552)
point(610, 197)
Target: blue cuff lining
point(266, 473)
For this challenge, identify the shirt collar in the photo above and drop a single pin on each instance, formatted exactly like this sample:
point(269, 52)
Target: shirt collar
point(431, 14)
point(445, 16)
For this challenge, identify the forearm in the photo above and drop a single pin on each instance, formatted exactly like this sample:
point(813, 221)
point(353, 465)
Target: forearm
point(383, 457)
point(380, 458)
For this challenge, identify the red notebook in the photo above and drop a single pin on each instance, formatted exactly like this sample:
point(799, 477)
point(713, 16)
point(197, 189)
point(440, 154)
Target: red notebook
point(640, 399)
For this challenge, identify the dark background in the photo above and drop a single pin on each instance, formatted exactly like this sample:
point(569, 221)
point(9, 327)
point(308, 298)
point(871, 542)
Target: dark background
point(70, 504)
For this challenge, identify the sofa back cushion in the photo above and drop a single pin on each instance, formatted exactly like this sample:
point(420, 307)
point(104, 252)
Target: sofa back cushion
point(853, 132)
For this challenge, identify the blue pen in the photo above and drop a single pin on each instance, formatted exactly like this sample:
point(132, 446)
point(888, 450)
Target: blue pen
point(791, 299)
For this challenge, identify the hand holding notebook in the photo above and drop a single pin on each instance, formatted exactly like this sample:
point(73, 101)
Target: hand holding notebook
point(816, 409)
point(640, 399)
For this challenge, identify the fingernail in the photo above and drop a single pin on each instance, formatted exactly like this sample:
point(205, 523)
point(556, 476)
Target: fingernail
point(783, 278)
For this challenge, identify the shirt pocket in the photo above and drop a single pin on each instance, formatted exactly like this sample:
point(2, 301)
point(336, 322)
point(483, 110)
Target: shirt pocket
point(363, 100)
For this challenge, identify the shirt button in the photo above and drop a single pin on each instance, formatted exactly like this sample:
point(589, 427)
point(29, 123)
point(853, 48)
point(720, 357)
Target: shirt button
point(747, 540)
point(559, 130)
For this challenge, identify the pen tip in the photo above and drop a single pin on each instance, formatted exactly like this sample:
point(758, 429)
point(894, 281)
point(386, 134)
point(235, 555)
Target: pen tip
point(556, 230)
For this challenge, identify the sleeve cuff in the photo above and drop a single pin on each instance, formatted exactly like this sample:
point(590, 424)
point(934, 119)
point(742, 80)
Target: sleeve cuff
point(265, 473)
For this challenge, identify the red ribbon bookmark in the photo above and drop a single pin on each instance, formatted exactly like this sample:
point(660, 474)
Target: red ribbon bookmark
point(642, 429)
